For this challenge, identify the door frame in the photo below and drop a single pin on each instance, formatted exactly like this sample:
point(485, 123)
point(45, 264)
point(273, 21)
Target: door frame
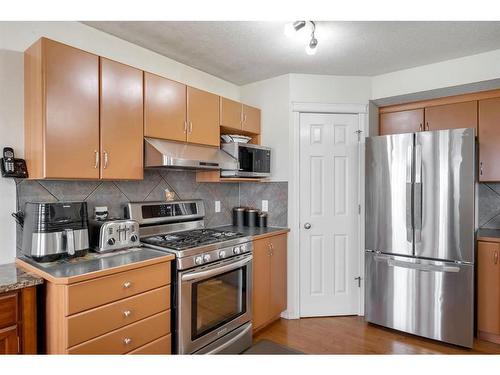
point(296, 108)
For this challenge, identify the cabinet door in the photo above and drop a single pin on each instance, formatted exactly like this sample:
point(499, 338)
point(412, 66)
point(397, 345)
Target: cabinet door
point(278, 275)
point(488, 287)
point(230, 113)
point(203, 117)
point(72, 111)
point(401, 122)
point(8, 340)
point(489, 139)
point(164, 108)
point(251, 119)
point(261, 282)
point(121, 121)
point(451, 116)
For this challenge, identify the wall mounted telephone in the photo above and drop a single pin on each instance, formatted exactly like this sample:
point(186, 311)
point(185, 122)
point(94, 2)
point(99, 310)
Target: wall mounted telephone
point(12, 167)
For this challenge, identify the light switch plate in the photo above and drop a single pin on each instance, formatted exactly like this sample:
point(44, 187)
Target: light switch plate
point(265, 205)
point(217, 206)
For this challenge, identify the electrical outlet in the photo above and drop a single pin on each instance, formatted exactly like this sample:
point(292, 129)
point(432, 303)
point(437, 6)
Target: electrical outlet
point(217, 206)
point(265, 205)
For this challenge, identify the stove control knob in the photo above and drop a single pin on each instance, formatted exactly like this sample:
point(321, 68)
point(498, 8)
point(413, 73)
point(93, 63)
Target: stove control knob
point(236, 250)
point(198, 259)
point(206, 258)
point(133, 238)
point(111, 241)
point(243, 248)
point(222, 254)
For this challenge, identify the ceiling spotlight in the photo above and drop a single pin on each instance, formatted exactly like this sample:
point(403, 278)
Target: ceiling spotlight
point(312, 47)
point(292, 27)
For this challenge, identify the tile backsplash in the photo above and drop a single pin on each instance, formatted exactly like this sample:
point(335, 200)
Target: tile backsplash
point(489, 205)
point(116, 194)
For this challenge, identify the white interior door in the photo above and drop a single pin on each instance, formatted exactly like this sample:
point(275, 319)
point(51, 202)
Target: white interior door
point(329, 217)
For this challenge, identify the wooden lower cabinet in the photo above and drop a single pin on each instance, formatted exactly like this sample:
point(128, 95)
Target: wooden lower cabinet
point(488, 291)
point(18, 322)
point(114, 314)
point(269, 279)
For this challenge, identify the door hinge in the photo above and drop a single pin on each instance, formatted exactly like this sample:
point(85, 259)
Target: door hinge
point(358, 132)
point(359, 281)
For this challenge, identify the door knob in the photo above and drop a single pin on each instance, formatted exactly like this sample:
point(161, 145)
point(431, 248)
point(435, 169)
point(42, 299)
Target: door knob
point(307, 226)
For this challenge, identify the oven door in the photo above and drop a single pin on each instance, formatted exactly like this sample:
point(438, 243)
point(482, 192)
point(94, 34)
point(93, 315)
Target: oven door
point(214, 300)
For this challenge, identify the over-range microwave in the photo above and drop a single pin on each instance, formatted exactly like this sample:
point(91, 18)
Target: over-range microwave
point(253, 160)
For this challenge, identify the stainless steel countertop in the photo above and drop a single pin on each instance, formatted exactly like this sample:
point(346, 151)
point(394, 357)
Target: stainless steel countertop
point(94, 262)
point(255, 232)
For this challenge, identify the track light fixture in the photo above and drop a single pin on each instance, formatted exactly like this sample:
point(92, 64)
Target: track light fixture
point(292, 27)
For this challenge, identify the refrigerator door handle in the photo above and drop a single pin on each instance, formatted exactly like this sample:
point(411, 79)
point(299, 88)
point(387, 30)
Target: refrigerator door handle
point(409, 219)
point(391, 262)
point(422, 267)
point(417, 205)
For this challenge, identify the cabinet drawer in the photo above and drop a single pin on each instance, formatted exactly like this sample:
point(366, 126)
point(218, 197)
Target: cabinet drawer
point(163, 345)
point(92, 323)
point(89, 294)
point(128, 338)
point(8, 310)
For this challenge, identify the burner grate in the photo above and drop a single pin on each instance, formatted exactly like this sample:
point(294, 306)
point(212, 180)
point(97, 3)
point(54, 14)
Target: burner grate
point(191, 239)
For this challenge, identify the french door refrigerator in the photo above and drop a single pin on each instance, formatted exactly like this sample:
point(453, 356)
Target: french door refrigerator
point(420, 229)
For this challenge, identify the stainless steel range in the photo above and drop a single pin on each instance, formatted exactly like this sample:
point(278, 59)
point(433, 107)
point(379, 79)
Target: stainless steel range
point(212, 276)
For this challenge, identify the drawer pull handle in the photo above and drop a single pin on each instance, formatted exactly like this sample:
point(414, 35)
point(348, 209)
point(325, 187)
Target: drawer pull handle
point(127, 313)
point(127, 341)
point(127, 284)
point(495, 257)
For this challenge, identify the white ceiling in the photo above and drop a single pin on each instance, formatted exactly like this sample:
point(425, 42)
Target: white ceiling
point(245, 51)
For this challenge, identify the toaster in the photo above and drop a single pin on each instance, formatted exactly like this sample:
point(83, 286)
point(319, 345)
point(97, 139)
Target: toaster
point(54, 230)
point(113, 234)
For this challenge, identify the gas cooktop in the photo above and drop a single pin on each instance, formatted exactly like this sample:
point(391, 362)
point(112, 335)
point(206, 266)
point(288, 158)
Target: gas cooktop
point(191, 238)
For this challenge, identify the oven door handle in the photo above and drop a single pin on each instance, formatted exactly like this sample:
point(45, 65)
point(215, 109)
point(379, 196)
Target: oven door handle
point(216, 270)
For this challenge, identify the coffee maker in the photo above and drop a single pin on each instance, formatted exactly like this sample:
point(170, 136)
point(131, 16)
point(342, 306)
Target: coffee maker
point(54, 230)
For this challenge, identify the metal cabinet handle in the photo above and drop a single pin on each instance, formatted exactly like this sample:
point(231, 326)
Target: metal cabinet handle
point(127, 284)
point(495, 257)
point(307, 225)
point(481, 168)
point(127, 340)
point(427, 125)
point(185, 126)
point(127, 313)
point(190, 127)
point(96, 159)
point(106, 159)
point(420, 127)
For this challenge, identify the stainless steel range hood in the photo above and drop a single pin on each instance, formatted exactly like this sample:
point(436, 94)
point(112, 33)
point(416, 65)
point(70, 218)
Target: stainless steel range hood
point(168, 154)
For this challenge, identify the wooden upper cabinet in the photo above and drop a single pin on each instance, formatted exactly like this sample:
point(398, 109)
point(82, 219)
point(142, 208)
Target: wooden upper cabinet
point(164, 108)
point(489, 139)
point(451, 116)
point(61, 111)
point(202, 117)
point(488, 286)
point(251, 119)
point(230, 113)
point(401, 122)
point(121, 109)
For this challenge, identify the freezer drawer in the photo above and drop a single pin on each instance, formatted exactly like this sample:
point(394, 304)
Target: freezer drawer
point(425, 298)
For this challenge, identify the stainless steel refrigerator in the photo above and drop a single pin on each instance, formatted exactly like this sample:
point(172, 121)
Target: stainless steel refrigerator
point(420, 226)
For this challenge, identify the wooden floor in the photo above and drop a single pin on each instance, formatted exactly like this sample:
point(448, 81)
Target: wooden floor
point(351, 335)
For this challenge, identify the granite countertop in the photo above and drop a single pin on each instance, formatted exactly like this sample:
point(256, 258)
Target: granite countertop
point(13, 278)
point(69, 270)
point(255, 232)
